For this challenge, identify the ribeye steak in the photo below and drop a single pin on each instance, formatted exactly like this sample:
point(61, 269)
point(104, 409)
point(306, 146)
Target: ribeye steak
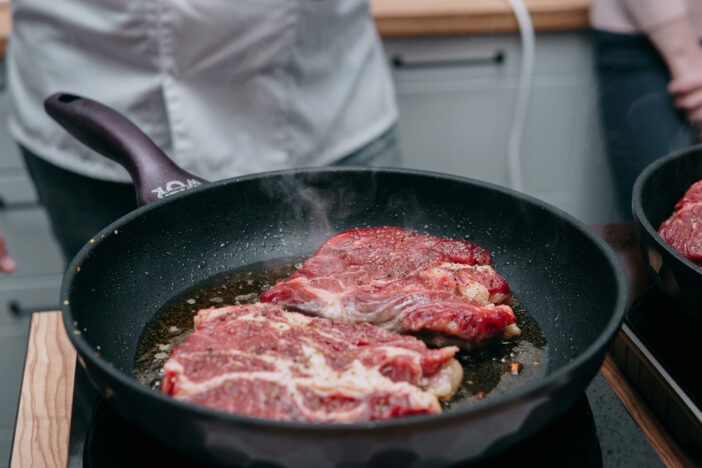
point(683, 229)
point(442, 289)
point(693, 195)
point(259, 360)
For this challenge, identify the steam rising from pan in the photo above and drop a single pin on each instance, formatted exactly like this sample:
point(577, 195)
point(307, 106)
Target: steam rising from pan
point(323, 209)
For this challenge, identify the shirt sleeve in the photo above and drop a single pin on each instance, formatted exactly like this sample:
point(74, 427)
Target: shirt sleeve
point(650, 15)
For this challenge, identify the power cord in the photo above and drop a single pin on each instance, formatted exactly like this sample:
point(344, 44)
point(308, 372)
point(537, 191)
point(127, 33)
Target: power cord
point(526, 31)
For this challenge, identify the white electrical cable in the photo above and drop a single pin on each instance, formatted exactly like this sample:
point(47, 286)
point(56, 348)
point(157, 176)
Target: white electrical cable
point(526, 31)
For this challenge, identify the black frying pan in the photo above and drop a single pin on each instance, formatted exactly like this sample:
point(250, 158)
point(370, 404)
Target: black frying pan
point(566, 277)
point(656, 191)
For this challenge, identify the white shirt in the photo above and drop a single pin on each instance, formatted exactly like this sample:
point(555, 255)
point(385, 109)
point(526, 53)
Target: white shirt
point(225, 87)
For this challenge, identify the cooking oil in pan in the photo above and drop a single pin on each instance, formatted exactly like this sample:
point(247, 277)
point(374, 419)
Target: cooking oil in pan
point(174, 322)
point(488, 372)
point(503, 366)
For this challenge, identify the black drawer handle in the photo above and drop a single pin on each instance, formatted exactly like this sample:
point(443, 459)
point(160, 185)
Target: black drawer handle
point(22, 205)
point(17, 310)
point(398, 61)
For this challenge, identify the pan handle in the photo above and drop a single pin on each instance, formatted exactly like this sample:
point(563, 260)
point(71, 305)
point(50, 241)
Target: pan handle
point(111, 134)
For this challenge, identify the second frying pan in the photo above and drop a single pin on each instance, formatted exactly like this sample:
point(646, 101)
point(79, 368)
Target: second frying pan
point(656, 191)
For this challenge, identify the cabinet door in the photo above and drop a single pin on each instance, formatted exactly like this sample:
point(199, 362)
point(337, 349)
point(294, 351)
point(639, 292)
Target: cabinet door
point(35, 283)
point(21, 296)
point(30, 242)
point(459, 131)
point(457, 97)
point(9, 152)
point(16, 191)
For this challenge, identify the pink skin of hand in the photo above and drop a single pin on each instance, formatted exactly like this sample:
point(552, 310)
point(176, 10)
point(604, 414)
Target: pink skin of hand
point(687, 91)
point(7, 264)
point(678, 44)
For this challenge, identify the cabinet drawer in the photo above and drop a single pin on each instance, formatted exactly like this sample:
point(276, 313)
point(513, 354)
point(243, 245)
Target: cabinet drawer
point(457, 58)
point(19, 297)
point(16, 190)
point(30, 242)
point(452, 59)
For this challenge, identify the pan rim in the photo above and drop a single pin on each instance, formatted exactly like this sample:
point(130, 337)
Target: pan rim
point(554, 379)
point(638, 208)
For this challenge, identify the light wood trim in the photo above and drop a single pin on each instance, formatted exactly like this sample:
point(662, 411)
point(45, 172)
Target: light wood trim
point(667, 448)
point(44, 415)
point(432, 17)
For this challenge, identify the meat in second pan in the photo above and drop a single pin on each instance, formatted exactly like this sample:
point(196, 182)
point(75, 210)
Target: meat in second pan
point(683, 229)
point(259, 360)
point(442, 289)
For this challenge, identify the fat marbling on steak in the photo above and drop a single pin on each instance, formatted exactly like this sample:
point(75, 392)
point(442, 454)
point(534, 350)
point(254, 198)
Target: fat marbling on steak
point(259, 360)
point(444, 290)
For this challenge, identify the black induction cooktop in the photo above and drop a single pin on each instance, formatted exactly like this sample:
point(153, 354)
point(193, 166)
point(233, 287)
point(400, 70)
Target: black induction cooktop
point(596, 432)
point(658, 355)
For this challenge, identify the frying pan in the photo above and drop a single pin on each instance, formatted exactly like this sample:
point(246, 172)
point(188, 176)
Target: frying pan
point(656, 191)
point(565, 276)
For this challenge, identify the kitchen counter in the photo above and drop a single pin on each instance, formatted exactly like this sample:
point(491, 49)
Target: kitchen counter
point(439, 17)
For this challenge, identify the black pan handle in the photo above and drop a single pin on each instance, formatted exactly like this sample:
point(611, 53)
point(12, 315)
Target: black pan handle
point(111, 134)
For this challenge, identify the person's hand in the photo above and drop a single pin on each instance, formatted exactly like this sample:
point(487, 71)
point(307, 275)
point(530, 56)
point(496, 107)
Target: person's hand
point(7, 264)
point(679, 46)
point(686, 88)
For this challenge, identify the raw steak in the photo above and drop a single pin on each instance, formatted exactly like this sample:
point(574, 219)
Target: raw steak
point(683, 231)
point(442, 289)
point(259, 360)
point(693, 195)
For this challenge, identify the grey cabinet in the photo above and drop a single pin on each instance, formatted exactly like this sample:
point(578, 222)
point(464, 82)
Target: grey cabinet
point(36, 282)
point(26, 230)
point(25, 227)
point(457, 98)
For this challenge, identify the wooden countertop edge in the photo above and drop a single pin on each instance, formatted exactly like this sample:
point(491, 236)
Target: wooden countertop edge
point(395, 18)
point(500, 19)
point(43, 422)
